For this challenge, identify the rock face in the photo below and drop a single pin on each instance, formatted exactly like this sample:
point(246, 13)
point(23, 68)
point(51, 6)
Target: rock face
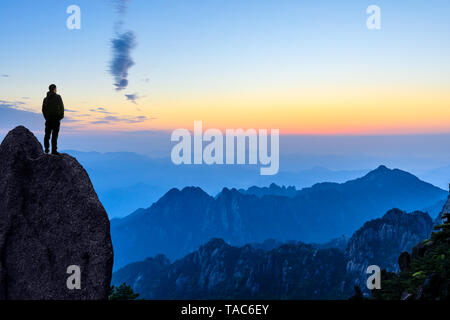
point(425, 274)
point(445, 209)
point(50, 219)
point(220, 271)
point(380, 242)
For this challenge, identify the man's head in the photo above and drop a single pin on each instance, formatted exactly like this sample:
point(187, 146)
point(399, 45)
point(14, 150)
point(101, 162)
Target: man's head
point(52, 88)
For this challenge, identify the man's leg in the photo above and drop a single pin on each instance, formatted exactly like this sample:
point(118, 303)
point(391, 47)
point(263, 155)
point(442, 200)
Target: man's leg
point(48, 131)
point(55, 132)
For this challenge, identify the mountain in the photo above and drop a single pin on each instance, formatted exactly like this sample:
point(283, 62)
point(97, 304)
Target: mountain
point(274, 270)
point(182, 220)
point(220, 271)
point(338, 243)
point(380, 241)
point(125, 181)
point(169, 226)
point(50, 219)
point(272, 190)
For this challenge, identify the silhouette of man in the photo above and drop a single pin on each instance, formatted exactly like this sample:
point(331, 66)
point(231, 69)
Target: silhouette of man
point(53, 111)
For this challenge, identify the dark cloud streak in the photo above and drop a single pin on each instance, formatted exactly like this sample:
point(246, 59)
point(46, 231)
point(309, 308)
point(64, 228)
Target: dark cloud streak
point(122, 61)
point(121, 45)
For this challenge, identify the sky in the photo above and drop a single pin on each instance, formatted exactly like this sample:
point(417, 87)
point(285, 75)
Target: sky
point(308, 68)
point(305, 67)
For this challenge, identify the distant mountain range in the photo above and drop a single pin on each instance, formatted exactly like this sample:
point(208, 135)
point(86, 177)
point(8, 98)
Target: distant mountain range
point(126, 181)
point(182, 220)
point(273, 270)
point(272, 190)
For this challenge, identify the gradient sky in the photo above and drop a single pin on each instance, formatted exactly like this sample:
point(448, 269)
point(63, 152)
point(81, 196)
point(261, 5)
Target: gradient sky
point(307, 67)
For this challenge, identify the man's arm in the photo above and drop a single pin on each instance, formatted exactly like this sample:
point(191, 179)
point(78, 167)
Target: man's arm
point(61, 108)
point(44, 108)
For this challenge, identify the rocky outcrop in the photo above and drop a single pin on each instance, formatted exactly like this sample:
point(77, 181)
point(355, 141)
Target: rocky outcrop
point(445, 209)
point(425, 274)
point(381, 241)
point(50, 219)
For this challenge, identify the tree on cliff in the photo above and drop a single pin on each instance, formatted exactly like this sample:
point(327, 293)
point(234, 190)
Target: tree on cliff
point(122, 292)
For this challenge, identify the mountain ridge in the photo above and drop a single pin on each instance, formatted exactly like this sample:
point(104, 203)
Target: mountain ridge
point(274, 270)
point(324, 211)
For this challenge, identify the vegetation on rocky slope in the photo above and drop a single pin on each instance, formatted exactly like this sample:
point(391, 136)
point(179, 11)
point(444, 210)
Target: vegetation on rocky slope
point(425, 274)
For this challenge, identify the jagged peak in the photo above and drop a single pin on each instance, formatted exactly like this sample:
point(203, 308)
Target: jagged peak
point(214, 243)
point(226, 192)
point(189, 192)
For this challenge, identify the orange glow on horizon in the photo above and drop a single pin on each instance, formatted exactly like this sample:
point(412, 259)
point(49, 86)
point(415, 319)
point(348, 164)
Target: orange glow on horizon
point(324, 111)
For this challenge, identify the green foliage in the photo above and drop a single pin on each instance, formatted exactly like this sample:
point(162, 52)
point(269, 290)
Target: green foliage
point(122, 292)
point(436, 261)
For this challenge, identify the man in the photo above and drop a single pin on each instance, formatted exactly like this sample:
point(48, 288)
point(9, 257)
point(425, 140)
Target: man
point(53, 111)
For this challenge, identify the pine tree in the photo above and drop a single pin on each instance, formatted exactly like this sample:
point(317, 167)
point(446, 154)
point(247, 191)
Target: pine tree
point(122, 292)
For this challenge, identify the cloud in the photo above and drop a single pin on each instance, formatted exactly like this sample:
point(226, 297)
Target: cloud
point(101, 110)
point(14, 113)
point(70, 120)
point(11, 104)
point(99, 122)
point(11, 116)
point(122, 61)
point(122, 119)
point(121, 45)
point(5, 75)
point(121, 6)
point(132, 97)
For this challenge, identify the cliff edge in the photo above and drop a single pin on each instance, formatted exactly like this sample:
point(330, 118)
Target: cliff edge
point(50, 219)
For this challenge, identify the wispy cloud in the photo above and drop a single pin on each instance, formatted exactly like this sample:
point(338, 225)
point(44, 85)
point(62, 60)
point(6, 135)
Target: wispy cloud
point(5, 75)
point(132, 97)
point(12, 104)
point(121, 6)
point(100, 122)
point(119, 119)
point(101, 110)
